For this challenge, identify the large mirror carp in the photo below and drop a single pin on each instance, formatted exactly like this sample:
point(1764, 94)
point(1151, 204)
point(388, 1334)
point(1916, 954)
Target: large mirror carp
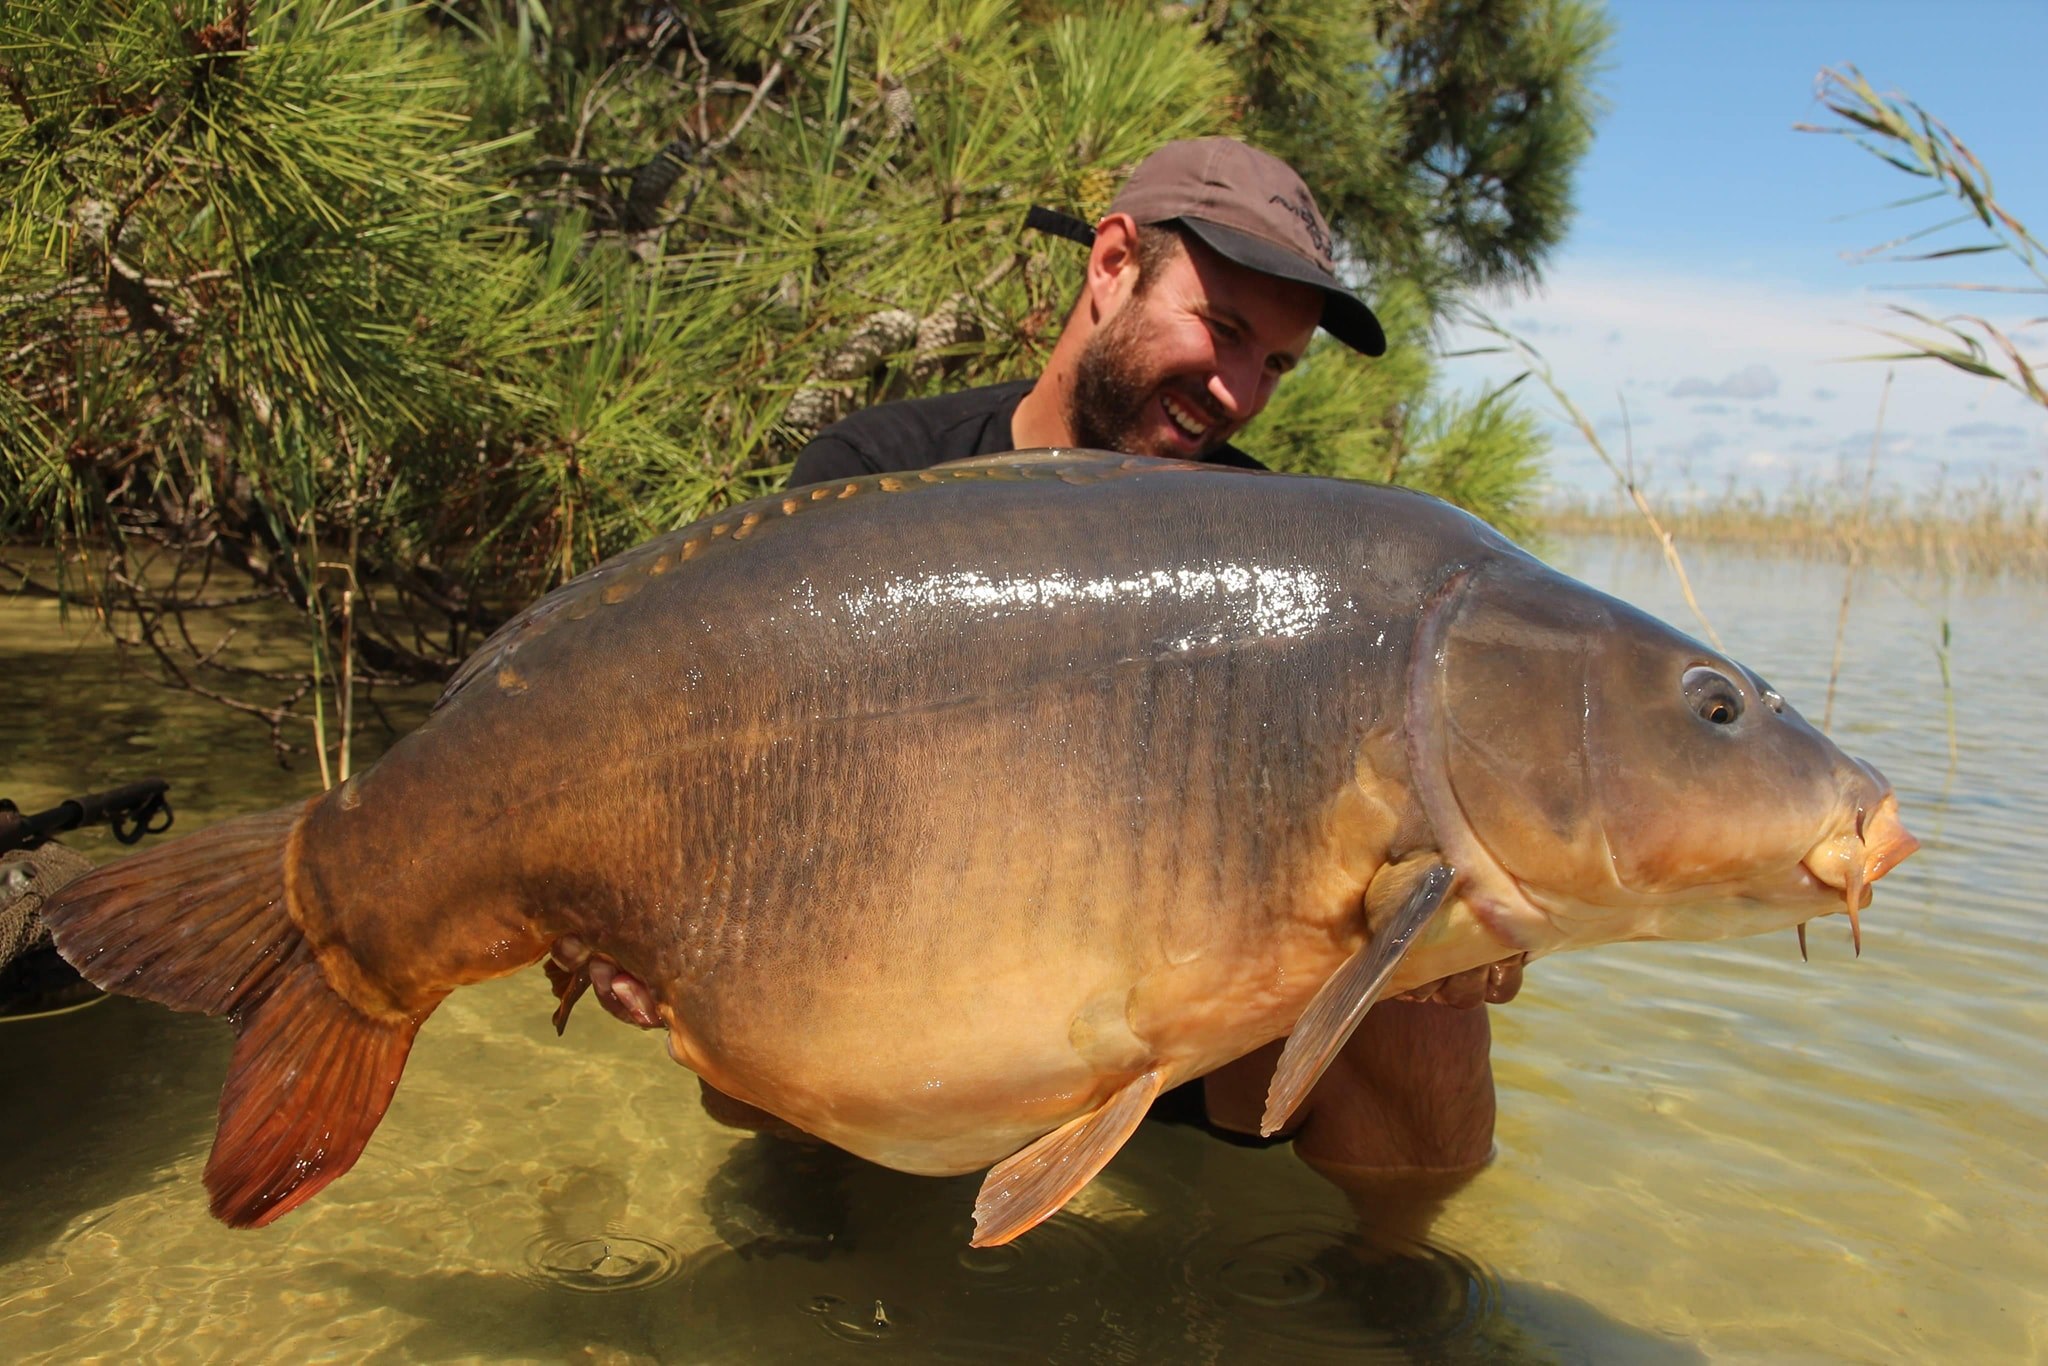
point(953, 816)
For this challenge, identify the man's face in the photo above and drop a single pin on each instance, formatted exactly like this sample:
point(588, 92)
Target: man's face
point(1190, 356)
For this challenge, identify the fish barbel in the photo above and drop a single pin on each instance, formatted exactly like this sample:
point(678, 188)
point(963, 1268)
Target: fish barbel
point(953, 816)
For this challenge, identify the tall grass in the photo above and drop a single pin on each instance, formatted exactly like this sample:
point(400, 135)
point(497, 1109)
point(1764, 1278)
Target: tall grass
point(1985, 529)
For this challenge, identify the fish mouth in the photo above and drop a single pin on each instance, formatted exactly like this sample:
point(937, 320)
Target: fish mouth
point(1850, 862)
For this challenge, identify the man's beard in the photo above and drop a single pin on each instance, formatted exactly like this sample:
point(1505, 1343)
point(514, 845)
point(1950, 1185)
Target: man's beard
point(1106, 410)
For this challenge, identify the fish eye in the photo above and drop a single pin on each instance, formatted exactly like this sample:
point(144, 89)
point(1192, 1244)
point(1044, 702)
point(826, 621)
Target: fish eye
point(1713, 696)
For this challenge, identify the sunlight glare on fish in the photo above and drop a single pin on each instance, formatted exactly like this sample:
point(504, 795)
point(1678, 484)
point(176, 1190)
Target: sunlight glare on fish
point(1260, 601)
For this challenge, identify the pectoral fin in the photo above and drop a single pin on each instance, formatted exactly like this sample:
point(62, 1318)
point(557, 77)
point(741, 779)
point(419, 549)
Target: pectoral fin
point(1029, 1186)
point(1344, 999)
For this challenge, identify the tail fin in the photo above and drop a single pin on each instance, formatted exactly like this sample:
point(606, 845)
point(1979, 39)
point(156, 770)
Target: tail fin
point(200, 924)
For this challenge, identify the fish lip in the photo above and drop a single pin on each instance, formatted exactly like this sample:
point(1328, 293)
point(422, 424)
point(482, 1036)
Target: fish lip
point(1886, 840)
point(1881, 842)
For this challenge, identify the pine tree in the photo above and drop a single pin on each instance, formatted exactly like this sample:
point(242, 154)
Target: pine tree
point(397, 316)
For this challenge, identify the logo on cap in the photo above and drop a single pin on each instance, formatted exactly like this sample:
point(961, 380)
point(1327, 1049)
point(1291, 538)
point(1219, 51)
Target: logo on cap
point(1302, 208)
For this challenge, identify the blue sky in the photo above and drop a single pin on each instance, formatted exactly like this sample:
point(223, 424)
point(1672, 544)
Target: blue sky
point(1704, 284)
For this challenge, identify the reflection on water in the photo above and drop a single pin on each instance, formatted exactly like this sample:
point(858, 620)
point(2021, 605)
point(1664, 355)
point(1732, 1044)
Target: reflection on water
point(1707, 1152)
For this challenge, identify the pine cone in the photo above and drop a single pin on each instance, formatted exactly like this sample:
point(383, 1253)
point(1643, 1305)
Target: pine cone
point(900, 106)
point(950, 324)
point(883, 334)
point(1095, 191)
point(813, 409)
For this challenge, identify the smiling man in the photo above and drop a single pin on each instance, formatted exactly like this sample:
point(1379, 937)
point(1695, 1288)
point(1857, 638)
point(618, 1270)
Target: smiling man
point(1205, 282)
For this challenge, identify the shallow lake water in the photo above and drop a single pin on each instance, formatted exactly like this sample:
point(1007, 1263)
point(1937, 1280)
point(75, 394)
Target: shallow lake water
point(1706, 1152)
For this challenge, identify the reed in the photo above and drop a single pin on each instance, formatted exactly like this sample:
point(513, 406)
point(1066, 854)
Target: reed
point(1985, 530)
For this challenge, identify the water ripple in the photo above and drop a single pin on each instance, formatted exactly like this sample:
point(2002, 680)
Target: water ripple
point(1309, 1284)
point(597, 1265)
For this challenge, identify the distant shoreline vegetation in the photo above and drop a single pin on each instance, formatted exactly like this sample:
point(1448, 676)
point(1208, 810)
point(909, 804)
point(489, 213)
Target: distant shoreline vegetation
point(1984, 530)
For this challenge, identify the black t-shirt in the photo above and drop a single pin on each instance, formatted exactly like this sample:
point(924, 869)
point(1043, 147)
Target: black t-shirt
point(916, 433)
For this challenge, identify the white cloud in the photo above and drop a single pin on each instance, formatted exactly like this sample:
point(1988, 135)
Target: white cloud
point(2005, 435)
point(1751, 381)
point(1793, 345)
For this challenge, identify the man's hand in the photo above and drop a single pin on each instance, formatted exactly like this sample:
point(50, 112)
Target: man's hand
point(1494, 984)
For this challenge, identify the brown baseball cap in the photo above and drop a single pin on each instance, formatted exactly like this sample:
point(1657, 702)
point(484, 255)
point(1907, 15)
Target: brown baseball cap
point(1250, 207)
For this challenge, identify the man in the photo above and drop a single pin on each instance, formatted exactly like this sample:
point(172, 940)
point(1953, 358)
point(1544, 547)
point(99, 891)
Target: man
point(1205, 282)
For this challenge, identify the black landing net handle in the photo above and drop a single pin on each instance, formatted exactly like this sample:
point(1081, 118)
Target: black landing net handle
point(1056, 224)
point(133, 809)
